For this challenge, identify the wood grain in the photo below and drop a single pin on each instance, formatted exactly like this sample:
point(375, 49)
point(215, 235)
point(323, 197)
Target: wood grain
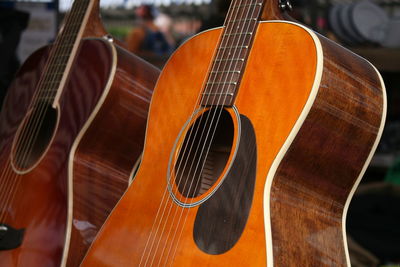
point(41, 203)
point(271, 101)
point(107, 152)
point(308, 195)
point(271, 11)
point(220, 221)
point(105, 155)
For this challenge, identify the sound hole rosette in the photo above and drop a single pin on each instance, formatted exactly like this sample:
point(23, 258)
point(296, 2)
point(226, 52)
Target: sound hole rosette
point(174, 192)
point(23, 161)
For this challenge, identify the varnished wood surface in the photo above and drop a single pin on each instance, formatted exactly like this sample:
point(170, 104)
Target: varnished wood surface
point(109, 149)
point(105, 156)
point(272, 11)
point(272, 95)
point(94, 27)
point(41, 203)
point(308, 195)
point(220, 221)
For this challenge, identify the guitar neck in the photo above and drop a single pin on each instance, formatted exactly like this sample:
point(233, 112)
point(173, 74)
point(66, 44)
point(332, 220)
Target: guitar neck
point(231, 55)
point(63, 50)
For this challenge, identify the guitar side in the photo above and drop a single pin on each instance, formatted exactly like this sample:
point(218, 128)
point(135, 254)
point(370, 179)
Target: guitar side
point(308, 199)
point(106, 149)
point(291, 78)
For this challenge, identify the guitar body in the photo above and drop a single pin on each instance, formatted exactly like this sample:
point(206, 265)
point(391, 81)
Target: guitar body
point(43, 191)
point(106, 153)
point(304, 122)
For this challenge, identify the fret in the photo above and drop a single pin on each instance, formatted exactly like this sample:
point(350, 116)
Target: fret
point(67, 45)
point(71, 34)
point(226, 71)
point(233, 47)
point(214, 94)
point(70, 31)
point(50, 77)
point(236, 41)
point(241, 20)
point(238, 33)
point(232, 53)
point(47, 99)
point(221, 83)
point(232, 76)
point(52, 84)
point(229, 59)
point(61, 51)
point(240, 26)
point(57, 65)
point(64, 56)
point(73, 26)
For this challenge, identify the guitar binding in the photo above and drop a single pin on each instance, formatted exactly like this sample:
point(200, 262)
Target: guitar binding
point(34, 137)
point(212, 165)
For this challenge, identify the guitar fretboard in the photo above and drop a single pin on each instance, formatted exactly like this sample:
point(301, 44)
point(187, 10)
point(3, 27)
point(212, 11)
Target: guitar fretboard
point(60, 52)
point(232, 53)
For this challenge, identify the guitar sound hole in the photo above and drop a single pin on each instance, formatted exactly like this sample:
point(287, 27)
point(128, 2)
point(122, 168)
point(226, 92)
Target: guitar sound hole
point(204, 153)
point(34, 136)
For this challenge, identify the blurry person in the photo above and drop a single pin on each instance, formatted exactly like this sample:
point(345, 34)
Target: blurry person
point(147, 40)
point(164, 24)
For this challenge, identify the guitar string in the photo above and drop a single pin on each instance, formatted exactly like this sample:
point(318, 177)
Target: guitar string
point(38, 120)
point(174, 226)
point(63, 47)
point(187, 213)
point(8, 170)
point(178, 183)
point(179, 174)
point(49, 93)
point(257, 13)
point(226, 77)
point(202, 152)
point(162, 204)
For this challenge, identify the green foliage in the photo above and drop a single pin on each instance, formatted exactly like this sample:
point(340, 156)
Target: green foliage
point(119, 32)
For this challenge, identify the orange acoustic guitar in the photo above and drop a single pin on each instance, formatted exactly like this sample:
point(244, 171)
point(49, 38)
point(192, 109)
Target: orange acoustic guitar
point(257, 137)
point(71, 128)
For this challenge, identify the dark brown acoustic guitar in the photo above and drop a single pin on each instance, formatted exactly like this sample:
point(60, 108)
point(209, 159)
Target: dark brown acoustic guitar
point(71, 129)
point(258, 134)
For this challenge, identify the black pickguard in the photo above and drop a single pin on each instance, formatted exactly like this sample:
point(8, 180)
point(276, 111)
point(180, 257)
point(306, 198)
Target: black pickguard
point(221, 220)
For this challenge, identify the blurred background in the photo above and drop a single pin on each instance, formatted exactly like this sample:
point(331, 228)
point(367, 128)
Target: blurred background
point(153, 29)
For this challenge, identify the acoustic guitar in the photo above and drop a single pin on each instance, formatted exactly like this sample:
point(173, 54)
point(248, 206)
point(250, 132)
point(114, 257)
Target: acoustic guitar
point(258, 134)
point(71, 128)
